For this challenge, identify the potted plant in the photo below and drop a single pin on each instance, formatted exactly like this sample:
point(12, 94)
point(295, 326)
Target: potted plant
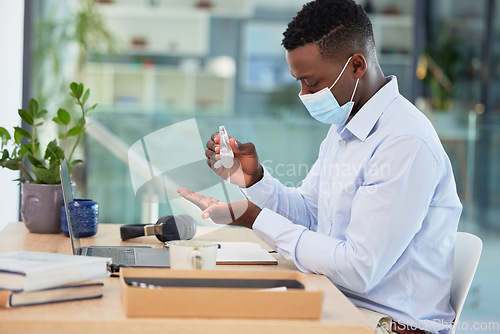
point(41, 192)
point(439, 67)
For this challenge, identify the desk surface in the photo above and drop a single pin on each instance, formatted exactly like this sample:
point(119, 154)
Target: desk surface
point(105, 315)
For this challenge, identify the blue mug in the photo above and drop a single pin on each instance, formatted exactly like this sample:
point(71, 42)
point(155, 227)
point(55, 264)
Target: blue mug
point(84, 214)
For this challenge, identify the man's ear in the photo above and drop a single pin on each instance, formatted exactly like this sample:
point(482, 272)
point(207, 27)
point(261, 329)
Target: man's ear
point(359, 65)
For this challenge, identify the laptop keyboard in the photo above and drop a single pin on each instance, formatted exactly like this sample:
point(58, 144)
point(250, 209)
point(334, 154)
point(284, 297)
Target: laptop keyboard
point(119, 256)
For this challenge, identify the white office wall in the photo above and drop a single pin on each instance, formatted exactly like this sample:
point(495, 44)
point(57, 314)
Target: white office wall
point(11, 74)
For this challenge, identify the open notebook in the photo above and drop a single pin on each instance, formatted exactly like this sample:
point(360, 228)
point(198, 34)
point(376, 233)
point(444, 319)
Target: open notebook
point(243, 253)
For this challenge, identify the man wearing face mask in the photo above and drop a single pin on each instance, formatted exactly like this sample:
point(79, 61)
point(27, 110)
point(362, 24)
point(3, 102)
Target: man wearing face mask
point(378, 212)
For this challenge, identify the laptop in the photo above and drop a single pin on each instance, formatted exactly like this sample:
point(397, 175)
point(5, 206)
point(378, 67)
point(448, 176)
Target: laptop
point(122, 256)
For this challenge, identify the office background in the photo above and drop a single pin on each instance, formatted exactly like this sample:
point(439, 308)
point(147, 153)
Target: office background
point(221, 62)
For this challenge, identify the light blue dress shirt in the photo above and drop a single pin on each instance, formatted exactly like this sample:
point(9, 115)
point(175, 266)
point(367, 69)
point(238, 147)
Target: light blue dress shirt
point(377, 214)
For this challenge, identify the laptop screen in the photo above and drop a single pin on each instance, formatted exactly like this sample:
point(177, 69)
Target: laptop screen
point(68, 199)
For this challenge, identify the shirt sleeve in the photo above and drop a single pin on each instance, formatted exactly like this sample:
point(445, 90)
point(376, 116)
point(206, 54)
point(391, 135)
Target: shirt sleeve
point(299, 205)
point(387, 211)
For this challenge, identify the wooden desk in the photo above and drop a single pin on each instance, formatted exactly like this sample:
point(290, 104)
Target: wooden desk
point(105, 315)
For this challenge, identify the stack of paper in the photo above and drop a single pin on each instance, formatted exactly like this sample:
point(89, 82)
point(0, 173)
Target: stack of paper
point(243, 253)
point(30, 278)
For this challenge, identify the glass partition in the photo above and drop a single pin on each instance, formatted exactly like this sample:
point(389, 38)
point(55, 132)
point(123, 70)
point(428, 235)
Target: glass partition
point(287, 148)
point(462, 96)
point(149, 64)
point(460, 77)
point(152, 64)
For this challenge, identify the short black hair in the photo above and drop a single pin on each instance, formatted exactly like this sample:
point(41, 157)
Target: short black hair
point(337, 27)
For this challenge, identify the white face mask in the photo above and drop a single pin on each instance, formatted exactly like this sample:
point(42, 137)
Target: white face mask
point(324, 107)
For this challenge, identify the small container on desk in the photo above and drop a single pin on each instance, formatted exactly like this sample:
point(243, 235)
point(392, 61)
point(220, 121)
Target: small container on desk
point(85, 212)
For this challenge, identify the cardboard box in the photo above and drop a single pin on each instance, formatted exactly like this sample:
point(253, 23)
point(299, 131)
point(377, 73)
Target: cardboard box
point(174, 299)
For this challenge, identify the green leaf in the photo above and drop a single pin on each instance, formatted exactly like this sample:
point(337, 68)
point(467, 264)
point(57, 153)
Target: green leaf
point(25, 116)
point(5, 154)
point(25, 149)
point(44, 175)
point(76, 162)
point(4, 135)
point(79, 90)
point(18, 137)
point(22, 132)
point(74, 131)
point(4, 132)
point(76, 89)
point(50, 151)
point(91, 108)
point(73, 86)
point(20, 180)
point(64, 116)
point(62, 135)
point(58, 120)
point(41, 113)
point(33, 108)
point(86, 96)
point(53, 151)
point(60, 153)
point(35, 161)
point(81, 122)
point(10, 164)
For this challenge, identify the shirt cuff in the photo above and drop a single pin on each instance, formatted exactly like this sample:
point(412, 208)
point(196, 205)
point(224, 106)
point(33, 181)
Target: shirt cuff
point(260, 192)
point(279, 233)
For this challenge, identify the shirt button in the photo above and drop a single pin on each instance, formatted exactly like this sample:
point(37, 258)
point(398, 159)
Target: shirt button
point(343, 142)
point(329, 215)
point(249, 196)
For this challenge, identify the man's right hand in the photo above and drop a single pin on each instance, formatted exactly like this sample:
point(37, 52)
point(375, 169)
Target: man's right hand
point(246, 170)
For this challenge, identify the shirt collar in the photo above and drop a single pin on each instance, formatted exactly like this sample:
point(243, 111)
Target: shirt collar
point(366, 118)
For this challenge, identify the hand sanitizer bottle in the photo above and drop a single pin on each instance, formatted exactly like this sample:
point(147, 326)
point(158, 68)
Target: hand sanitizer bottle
point(226, 152)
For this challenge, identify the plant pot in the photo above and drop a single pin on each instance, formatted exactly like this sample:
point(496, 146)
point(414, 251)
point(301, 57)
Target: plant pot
point(41, 207)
